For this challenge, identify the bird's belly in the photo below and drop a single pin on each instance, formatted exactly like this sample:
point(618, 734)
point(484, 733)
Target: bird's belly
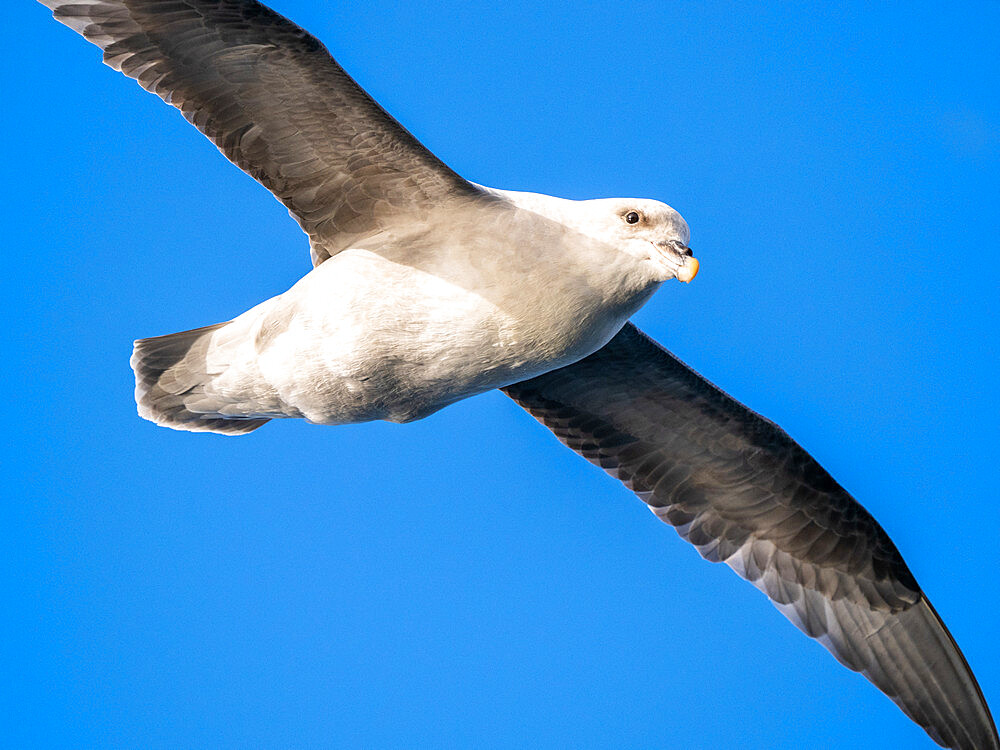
point(362, 338)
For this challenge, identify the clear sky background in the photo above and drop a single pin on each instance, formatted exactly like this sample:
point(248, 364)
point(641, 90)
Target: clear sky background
point(465, 581)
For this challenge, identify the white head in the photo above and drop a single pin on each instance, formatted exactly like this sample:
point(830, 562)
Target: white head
point(649, 230)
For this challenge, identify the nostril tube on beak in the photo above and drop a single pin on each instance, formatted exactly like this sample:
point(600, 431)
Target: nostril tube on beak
point(682, 248)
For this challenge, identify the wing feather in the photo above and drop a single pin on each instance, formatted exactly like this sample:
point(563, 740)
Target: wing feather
point(275, 102)
point(743, 492)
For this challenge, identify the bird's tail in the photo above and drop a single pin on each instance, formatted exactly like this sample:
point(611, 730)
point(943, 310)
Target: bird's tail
point(173, 384)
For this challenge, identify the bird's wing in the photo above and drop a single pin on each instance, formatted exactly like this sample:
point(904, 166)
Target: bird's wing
point(275, 102)
point(743, 492)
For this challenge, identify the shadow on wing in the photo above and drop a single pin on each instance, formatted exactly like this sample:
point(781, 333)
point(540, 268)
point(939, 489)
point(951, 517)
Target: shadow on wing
point(743, 492)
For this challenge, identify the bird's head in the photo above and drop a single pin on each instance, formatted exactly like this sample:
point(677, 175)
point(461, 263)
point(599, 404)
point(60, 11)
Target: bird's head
point(647, 229)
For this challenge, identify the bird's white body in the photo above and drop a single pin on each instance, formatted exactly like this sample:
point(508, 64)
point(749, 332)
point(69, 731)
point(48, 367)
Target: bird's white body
point(457, 305)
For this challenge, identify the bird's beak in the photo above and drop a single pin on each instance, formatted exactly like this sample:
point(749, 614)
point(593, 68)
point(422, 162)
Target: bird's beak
point(689, 270)
point(688, 263)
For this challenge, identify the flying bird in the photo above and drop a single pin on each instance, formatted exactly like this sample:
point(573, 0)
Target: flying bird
point(427, 289)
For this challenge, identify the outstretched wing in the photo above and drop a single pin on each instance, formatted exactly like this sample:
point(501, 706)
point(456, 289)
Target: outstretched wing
point(743, 492)
point(275, 102)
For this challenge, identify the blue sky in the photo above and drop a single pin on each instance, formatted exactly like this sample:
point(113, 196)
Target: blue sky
point(465, 581)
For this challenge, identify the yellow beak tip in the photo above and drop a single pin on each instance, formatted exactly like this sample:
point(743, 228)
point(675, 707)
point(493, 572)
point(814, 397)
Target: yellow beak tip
point(688, 271)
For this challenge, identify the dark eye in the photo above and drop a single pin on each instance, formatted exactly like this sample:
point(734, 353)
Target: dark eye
point(631, 218)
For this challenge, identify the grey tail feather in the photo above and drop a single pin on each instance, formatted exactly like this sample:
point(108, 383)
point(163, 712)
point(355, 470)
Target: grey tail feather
point(169, 374)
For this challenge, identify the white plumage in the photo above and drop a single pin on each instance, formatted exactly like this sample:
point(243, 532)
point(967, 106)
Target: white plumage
point(468, 299)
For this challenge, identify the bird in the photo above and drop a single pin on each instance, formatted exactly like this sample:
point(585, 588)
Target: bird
point(428, 289)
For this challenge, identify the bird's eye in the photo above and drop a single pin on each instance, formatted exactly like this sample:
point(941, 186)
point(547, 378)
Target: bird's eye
point(632, 217)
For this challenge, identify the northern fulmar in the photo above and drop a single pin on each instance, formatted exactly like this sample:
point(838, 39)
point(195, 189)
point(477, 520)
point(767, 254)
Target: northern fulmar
point(427, 289)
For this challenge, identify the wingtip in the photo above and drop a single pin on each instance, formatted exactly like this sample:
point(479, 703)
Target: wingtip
point(988, 725)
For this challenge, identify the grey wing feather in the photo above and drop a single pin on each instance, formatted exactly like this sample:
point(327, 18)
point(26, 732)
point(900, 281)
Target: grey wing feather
point(277, 104)
point(743, 492)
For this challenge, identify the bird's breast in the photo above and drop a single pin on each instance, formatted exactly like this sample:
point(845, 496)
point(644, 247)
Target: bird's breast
point(365, 337)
